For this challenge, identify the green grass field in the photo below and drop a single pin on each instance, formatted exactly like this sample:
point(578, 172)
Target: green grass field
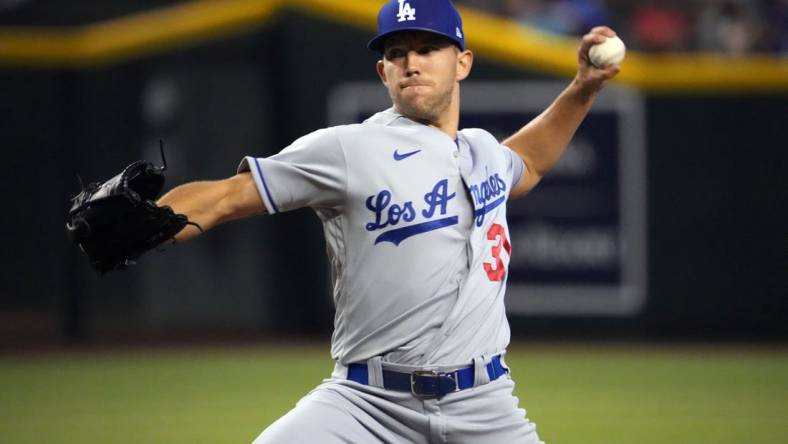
point(583, 394)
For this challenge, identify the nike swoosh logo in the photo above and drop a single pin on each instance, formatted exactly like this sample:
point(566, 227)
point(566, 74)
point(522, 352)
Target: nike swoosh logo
point(398, 156)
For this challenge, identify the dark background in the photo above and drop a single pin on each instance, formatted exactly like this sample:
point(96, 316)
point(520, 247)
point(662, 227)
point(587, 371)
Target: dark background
point(715, 171)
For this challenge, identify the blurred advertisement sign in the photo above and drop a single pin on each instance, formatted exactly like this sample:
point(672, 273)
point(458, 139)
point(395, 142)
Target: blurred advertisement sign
point(578, 239)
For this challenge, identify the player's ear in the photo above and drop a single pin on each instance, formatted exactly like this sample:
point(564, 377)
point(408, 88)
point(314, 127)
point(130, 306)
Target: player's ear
point(464, 64)
point(381, 71)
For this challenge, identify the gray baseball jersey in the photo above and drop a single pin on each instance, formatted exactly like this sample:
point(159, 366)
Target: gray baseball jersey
point(415, 225)
point(416, 233)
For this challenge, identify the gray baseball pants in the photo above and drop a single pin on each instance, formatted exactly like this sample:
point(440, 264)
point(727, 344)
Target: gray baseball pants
point(342, 411)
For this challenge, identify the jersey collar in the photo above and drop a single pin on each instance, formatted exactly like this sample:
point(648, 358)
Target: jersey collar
point(390, 117)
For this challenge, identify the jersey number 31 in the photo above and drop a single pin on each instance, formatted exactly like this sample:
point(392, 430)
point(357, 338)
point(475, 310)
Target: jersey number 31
point(497, 271)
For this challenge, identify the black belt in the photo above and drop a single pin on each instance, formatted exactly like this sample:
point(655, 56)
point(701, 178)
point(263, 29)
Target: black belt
point(427, 384)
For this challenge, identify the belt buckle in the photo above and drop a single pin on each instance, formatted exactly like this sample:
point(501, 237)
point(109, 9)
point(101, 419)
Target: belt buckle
point(453, 376)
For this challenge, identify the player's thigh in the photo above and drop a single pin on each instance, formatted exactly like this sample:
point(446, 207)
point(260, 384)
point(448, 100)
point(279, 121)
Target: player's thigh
point(320, 416)
point(490, 414)
point(326, 416)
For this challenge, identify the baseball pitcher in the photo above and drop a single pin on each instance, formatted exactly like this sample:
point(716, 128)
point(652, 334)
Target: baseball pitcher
point(414, 217)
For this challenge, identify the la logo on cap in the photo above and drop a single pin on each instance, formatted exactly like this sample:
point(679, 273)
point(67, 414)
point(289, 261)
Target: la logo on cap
point(406, 12)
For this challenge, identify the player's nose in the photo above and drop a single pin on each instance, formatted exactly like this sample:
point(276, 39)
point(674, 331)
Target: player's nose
point(412, 64)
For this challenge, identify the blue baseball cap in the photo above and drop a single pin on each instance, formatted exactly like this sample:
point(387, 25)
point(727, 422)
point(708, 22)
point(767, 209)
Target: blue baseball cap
point(435, 16)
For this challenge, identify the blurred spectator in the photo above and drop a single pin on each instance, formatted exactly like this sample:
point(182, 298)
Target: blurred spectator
point(9, 4)
point(728, 26)
point(660, 26)
point(780, 14)
point(573, 17)
point(485, 5)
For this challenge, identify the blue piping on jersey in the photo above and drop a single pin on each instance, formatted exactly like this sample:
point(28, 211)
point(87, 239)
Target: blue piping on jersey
point(265, 186)
point(398, 235)
point(480, 212)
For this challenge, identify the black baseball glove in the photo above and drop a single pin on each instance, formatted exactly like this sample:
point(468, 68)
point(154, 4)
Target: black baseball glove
point(117, 221)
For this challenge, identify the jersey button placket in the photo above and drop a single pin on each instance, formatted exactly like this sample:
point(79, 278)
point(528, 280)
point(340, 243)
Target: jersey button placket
point(462, 159)
point(455, 159)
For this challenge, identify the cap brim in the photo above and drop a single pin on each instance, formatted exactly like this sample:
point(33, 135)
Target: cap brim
point(376, 44)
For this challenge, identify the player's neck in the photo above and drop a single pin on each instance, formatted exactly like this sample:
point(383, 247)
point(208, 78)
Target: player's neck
point(449, 120)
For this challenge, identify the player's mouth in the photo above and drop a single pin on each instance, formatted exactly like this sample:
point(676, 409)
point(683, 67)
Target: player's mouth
point(407, 85)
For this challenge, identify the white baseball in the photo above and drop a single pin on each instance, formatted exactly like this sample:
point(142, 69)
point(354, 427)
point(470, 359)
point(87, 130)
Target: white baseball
point(609, 52)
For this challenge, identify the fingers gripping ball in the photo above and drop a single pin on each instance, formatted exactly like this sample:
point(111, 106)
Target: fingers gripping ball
point(609, 52)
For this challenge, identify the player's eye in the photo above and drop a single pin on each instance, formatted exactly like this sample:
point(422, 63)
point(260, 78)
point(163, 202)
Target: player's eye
point(424, 50)
point(394, 53)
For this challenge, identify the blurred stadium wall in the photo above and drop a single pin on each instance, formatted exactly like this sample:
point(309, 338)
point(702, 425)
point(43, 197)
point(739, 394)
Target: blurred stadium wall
point(88, 87)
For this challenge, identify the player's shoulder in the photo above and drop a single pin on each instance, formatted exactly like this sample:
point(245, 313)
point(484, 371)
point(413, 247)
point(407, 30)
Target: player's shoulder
point(390, 121)
point(377, 125)
point(351, 134)
point(383, 118)
point(479, 137)
point(317, 136)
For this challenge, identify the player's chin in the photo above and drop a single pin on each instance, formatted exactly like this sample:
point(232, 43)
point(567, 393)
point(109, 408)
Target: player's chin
point(417, 110)
point(417, 103)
